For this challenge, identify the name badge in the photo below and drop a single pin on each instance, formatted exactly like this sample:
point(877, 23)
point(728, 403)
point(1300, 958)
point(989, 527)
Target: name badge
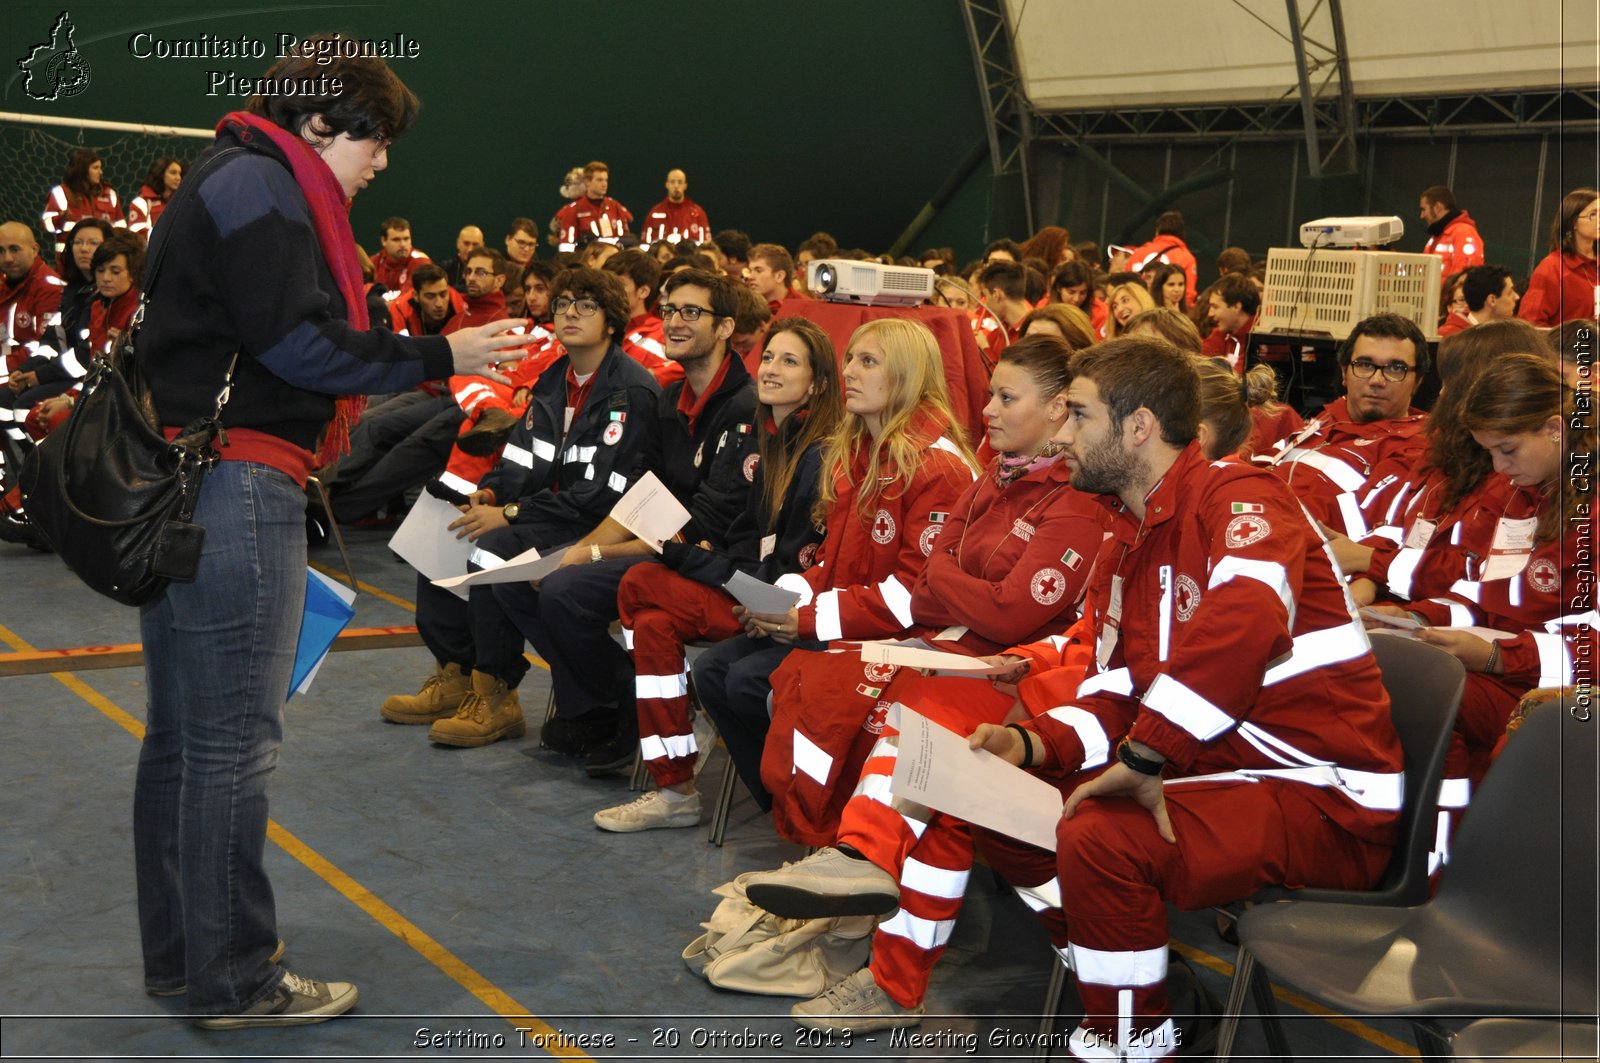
point(1513, 543)
point(1420, 534)
point(769, 543)
point(1110, 630)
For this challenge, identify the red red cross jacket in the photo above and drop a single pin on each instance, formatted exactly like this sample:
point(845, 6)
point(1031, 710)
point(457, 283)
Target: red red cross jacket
point(1332, 462)
point(1549, 603)
point(1561, 288)
point(1419, 548)
point(405, 317)
point(394, 276)
point(1012, 563)
point(28, 310)
point(1222, 625)
point(677, 221)
point(643, 341)
point(1167, 248)
point(108, 315)
point(61, 214)
point(479, 310)
point(144, 209)
point(606, 219)
point(1457, 242)
point(860, 587)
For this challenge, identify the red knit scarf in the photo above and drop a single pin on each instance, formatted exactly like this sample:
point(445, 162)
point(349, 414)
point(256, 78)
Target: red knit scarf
point(330, 218)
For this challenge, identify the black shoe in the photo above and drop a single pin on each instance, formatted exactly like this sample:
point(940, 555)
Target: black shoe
point(574, 736)
point(488, 435)
point(613, 756)
point(15, 527)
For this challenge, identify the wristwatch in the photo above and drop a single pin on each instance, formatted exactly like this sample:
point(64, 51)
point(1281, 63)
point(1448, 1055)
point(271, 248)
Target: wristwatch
point(594, 552)
point(511, 511)
point(1142, 765)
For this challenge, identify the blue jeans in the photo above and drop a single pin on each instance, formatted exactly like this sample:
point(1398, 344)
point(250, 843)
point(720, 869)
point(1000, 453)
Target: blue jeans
point(218, 657)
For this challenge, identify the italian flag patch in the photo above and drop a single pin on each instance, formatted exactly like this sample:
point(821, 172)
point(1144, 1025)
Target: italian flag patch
point(1247, 507)
point(1072, 559)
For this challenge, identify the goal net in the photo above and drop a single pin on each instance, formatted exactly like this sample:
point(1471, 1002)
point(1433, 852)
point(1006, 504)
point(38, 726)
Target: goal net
point(36, 150)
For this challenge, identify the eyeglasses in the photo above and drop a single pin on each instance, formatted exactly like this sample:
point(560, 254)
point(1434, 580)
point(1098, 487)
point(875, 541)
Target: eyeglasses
point(1396, 371)
point(586, 307)
point(690, 313)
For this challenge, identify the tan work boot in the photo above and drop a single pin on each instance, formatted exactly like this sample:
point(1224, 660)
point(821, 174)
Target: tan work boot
point(439, 697)
point(487, 714)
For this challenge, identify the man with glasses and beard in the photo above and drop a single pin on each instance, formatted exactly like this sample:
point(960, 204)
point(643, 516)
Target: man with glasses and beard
point(705, 456)
point(1341, 463)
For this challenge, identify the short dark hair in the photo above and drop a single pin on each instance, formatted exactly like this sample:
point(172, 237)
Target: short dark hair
point(1441, 195)
point(391, 225)
point(523, 225)
point(724, 303)
point(538, 267)
point(1233, 260)
point(1011, 247)
point(1235, 289)
point(642, 269)
point(1071, 274)
point(595, 167)
point(1480, 282)
point(697, 260)
point(1142, 371)
point(1170, 223)
point(371, 100)
point(496, 258)
point(821, 245)
point(427, 274)
point(751, 310)
point(602, 287)
point(1010, 277)
point(776, 256)
point(128, 244)
point(1389, 327)
point(733, 244)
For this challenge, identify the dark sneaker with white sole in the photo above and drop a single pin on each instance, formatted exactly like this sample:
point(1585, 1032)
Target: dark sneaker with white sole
point(295, 1001)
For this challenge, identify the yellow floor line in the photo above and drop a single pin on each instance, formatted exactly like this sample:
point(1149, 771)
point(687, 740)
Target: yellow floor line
point(1351, 1026)
point(378, 592)
point(501, 1002)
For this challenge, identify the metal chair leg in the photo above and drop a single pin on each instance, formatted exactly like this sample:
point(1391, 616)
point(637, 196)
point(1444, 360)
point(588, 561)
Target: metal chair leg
point(1228, 1025)
point(1267, 1008)
point(719, 817)
point(333, 529)
point(1050, 1012)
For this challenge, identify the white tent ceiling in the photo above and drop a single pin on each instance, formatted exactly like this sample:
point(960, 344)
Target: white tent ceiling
point(1077, 55)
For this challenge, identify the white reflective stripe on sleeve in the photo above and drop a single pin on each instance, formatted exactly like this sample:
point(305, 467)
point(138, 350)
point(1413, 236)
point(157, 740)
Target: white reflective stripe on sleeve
point(926, 934)
point(627, 639)
point(944, 443)
point(575, 454)
point(1460, 615)
point(588, 471)
point(654, 346)
point(934, 881)
point(1390, 533)
point(8, 414)
point(658, 747)
point(1589, 619)
point(618, 483)
point(1057, 642)
point(1402, 569)
point(1039, 898)
point(1344, 476)
point(1470, 589)
point(1355, 525)
point(1379, 486)
point(879, 788)
point(827, 615)
point(898, 599)
point(1096, 747)
point(1187, 709)
point(1318, 649)
point(517, 456)
point(1098, 967)
point(1270, 573)
point(812, 759)
point(1514, 591)
point(1555, 668)
point(544, 450)
point(484, 559)
point(1116, 681)
point(661, 686)
point(75, 369)
point(1455, 793)
point(457, 483)
point(793, 581)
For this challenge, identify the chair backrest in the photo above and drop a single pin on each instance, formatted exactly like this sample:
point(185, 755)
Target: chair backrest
point(1523, 863)
point(1424, 685)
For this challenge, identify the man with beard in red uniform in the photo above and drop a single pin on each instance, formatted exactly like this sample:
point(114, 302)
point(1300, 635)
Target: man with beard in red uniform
point(1258, 749)
point(392, 266)
point(1366, 442)
point(677, 217)
point(593, 214)
point(1452, 234)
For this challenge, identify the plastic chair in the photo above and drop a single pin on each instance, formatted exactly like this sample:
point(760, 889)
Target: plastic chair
point(1512, 930)
point(1424, 684)
point(1530, 1040)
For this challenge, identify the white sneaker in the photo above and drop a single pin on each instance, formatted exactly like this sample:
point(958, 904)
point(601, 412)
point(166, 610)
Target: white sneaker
point(296, 1001)
point(649, 813)
point(856, 1004)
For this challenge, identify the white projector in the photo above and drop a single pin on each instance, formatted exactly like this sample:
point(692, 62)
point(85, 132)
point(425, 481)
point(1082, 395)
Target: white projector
point(843, 280)
point(1351, 232)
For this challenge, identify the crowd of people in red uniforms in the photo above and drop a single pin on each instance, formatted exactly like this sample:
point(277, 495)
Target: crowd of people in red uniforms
point(1136, 485)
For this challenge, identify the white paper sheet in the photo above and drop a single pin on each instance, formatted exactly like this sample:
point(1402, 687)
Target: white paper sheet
point(425, 544)
point(1406, 622)
point(760, 597)
point(917, 655)
point(1487, 634)
point(526, 566)
point(935, 768)
point(650, 512)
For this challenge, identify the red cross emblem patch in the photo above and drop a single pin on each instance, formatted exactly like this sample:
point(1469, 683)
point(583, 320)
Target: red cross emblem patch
point(883, 528)
point(1048, 586)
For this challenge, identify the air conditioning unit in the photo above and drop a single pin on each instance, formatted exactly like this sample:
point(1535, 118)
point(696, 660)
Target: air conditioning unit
point(1352, 232)
point(843, 280)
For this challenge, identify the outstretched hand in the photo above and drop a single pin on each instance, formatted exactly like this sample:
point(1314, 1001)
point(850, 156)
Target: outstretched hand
point(476, 349)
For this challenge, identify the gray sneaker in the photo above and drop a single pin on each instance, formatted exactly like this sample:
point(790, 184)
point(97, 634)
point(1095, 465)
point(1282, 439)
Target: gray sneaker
point(295, 1002)
point(650, 812)
point(276, 957)
point(857, 1005)
point(826, 883)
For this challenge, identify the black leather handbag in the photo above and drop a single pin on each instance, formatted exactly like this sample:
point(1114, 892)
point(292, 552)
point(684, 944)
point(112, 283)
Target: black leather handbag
point(109, 491)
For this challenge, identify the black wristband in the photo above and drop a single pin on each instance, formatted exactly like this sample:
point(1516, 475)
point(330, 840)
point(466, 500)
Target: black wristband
point(1027, 744)
point(1142, 765)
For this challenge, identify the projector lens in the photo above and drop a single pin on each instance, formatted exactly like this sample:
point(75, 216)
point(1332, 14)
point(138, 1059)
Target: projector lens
point(827, 279)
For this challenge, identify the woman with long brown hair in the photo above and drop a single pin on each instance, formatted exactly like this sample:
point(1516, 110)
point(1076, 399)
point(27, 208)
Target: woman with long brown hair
point(82, 193)
point(1566, 283)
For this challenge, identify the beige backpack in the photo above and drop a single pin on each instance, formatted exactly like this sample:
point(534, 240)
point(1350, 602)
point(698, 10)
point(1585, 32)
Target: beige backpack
point(753, 951)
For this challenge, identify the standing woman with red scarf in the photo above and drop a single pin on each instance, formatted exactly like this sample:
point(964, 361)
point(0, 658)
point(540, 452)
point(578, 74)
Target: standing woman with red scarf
point(255, 269)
